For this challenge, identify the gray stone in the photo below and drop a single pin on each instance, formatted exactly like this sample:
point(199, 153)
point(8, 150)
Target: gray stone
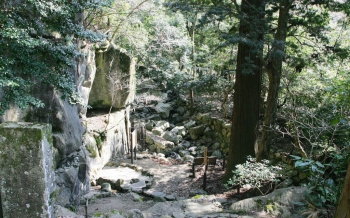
point(197, 192)
point(159, 199)
point(282, 198)
point(189, 207)
point(179, 130)
point(222, 200)
point(134, 213)
point(64, 212)
point(171, 136)
point(170, 198)
point(190, 124)
point(157, 131)
point(136, 197)
point(154, 193)
point(149, 125)
point(183, 153)
point(163, 109)
point(26, 170)
point(106, 187)
point(163, 144)
point(163, 125)
point(178, 215)
point(149, 138)
point(186, 144)
point(191, 149)
point(188, 158)
point(197, 131)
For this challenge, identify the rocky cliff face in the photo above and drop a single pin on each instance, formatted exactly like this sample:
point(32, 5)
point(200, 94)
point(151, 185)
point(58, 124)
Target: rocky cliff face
point(114, 86)
point(114, 83)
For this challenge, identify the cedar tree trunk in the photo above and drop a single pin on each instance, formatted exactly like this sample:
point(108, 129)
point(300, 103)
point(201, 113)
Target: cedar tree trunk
point(274, 68)
point(245, 116)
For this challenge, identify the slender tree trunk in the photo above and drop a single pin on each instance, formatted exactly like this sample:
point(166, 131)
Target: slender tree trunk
point(274, 68)
point(343, 209)
point(191, 31)
point(247, 87)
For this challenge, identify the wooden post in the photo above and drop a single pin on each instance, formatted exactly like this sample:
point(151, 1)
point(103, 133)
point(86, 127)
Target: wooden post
point(86, 208)
point(205, 168)
point(193, 171)
point(142, 137)
point(223, 161)
point(135, 143)
point(132, 140)
point(131, 150)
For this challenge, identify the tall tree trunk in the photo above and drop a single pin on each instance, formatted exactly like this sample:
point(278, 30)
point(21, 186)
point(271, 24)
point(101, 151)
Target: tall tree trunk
point(274, 68)
point(191, 31)
point(343, 209)
point(245, 117)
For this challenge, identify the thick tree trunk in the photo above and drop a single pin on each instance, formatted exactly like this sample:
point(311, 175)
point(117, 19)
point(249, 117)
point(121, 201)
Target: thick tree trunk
point(245, 117)
point(343, 209)
point(274, 68)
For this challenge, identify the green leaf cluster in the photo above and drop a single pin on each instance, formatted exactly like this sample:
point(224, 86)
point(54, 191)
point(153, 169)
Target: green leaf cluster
point(325, 180)
point(39, 44)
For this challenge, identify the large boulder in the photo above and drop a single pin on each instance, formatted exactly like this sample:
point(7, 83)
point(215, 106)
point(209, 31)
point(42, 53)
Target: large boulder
point(171, 136)
point(114, 83)
point(278, 202)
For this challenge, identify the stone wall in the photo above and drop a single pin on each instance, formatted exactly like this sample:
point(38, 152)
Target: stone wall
point(216, 129)
point(26, 170)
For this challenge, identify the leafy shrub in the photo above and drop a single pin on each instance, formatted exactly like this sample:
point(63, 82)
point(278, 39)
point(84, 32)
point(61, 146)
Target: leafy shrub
point(255, 175)
point(323, 189)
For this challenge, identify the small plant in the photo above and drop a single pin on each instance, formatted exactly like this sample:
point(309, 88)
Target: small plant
point(197, 197)
point(255, 175)
point(98, 214)
point(92, 151)
point(72, 208)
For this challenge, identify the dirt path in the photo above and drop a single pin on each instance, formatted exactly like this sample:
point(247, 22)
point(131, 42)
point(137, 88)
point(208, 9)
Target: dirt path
point(169, 178)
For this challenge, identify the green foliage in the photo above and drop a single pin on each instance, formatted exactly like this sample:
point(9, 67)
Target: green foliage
point(324, 180)
point(255, 175)
point(39, 44)
point(92, 151)
point(98, 214)
point(72, 208)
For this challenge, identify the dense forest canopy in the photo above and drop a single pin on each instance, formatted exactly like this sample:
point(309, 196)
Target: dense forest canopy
point(279, 68)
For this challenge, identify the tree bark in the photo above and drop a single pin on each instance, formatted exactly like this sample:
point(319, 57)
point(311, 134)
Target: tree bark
point(245, 117)
point(274, 69)
point(343, 209)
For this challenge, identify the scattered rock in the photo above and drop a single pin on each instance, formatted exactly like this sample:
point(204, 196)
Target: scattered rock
point(106, 187)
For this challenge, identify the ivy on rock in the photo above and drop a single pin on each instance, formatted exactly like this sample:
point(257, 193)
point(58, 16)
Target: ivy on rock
point(39, 44)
